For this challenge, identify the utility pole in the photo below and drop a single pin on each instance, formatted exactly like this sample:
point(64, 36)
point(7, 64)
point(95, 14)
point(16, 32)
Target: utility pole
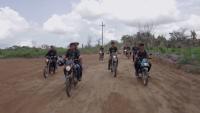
point(102, 25)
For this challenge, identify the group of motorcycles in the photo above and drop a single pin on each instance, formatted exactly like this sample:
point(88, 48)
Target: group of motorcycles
point(71, 71)
point(144, 65)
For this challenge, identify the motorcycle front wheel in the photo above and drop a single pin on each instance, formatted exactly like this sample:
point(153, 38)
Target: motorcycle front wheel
point(115, 70)
point(145, 78)
point(68, 87)
point(45, 72)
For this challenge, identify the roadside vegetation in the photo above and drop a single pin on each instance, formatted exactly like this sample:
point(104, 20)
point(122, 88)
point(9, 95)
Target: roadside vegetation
point(29, 52)
point(182, 47)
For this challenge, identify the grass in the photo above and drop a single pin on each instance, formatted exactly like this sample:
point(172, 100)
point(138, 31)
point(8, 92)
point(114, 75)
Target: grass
point(27, 52)
point(188, 55)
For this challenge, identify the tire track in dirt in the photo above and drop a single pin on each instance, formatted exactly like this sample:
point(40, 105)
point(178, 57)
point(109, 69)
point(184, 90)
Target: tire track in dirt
point(23, 90)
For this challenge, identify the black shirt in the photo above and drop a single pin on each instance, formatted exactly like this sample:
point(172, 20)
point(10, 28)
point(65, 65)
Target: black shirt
point(72, 54)
point(101, 49)
point(142, 55)
point(112, 50)
point(51, 53)
point(128, 48)
point(135, 49)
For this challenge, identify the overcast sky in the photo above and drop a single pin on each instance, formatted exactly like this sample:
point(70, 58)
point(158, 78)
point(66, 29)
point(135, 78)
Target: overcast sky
point(58, 22)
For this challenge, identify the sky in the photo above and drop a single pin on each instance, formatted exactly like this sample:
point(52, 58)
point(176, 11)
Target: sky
point(59, 22)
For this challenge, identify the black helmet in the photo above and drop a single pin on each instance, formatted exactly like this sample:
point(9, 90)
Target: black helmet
point(74, 44)
point(51, 47)
point(141, 44)
point(112, 42)
point(71, 44)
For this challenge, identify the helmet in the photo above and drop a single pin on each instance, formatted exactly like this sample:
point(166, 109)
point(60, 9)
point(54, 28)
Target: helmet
point(74, 43)
point(112, 42)
point(51, 47)
point(141, 44)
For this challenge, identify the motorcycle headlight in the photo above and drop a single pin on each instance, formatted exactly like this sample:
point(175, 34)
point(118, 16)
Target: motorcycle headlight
point(146, 64)
point(68, 68)
point(115, 58)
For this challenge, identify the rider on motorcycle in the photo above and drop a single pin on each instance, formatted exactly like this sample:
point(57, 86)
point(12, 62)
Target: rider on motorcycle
point(128, 48)
point(124, 49)
point(74, 54)
point(101, 49)
point(141, 54)
point(112, 49)
point(52, 53)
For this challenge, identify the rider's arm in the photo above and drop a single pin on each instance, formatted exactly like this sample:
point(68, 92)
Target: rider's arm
point(55, 53)
point(47, 54)
point(146, 55)
point(109, 51)
point(136, 55)
point(67, 55)
point(117, 50)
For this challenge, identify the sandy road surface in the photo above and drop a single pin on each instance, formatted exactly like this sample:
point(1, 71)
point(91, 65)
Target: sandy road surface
point(23, 90)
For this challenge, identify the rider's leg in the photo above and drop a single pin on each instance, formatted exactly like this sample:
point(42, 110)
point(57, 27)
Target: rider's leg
point(54, 66)
point(149, 66)
point(136, 68)
point(81, 71)
point(109, 63)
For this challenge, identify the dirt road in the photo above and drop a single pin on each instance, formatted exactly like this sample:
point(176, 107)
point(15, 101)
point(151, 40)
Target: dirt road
point(23, 89)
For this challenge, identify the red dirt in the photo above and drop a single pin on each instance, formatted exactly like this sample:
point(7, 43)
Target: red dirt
point(24, 90)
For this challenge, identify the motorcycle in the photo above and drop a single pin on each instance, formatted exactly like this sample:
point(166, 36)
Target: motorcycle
point(114, 64)
point(101, 55)
point(144, 71)
point(124, 52)
point(50, 66)
point(71, 76)
point(128, 54)
point(60, 61)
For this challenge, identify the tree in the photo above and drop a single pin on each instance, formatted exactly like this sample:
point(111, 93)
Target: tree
point(193, 35)
point(89, 42)
point(179, 38)
point(127, 40)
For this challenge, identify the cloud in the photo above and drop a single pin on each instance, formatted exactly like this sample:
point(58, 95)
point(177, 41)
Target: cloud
point(11, 22)
point(122, 16)
point(28, 43)
point(192, 23)
point(62, 24)
point(129, 11)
